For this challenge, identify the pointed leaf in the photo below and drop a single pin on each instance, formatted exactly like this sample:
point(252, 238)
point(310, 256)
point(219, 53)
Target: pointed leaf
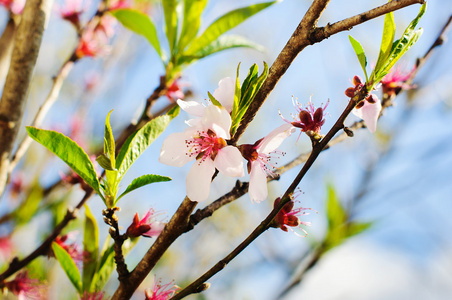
point(138, 142)
point(224, 24)
point(105, 162)
point(69, 152)
point(29, 207)
point(222, 43)
point(139, 23)
point(386, 41)
point(174, 112)
point(169, 9)
point(90, 247)
point(109, 140)
point(359, 53)
point(355, 228)
point(336, 214)
point(142, 181)
point(68, 265)
point(213, 100)
point(192, 21)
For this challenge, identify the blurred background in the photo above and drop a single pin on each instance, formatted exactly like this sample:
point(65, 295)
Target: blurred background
point(397, 179)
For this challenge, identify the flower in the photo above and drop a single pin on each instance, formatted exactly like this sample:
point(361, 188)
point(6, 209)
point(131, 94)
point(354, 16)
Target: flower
point(147, 226)
point(14, 6)
point(204, 142)
point(161, 292)
point(369, 110)
point(6, 247)
point(288, 216)
point(98, 295)
point(310, 119)
point(72, 10)
point(74, 250)
point(25, 287)
point(223, 94)
point(258, 156)
point(174, 91)
point(118, 4)
point(94, 40)
point(394, 81)
point(358, 85)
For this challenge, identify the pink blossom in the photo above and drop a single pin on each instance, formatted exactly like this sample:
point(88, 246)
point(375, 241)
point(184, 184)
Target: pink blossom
point(6, 247)
point(118, 4)
point(310, 119)
point(174, 91)
point(204, 142)
point(95, 38)
point(73, 249)
point(25, 287)
point(147, 226)
point(14, 6)
point(259, 156)
point(98, 295)
point(289, 216)
point(369, 110)
point(71, 11)
point(161, 292)
point(394, 81)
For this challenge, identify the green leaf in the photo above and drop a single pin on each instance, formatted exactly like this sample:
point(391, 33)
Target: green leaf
point(213, 100)
point(69, 152)
point(105, 162)
point(90, 247)
point(29, 207)
point(359, 53)
point(336, 214)
point(386, 41)
point(109, 141)
point(138, 142)
point(222, 43)
point(174, 112)
point(355, 228)
point(237, 96)
point(224, 24)
point(142, 181)
point(192, 21)
point(68, 265)
point(139, 23)
point(169, 9)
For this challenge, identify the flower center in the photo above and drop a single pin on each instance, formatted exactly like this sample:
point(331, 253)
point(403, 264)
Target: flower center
point(204, 145)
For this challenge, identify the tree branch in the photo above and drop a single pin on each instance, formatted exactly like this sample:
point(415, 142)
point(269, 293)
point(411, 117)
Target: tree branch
point(25, 53)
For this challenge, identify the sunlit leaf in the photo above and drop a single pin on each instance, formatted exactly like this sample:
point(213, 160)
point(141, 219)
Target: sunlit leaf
point(109, 140)
point(224, 24)
point(359, 53)
point(68, 265)
point(386, 40)
point(138, 142)
point(142, 181)
point(139, 23)
point(29, 207)
point(169, 9)
point(192, 21)
point(69, 152)
point(90, 248)
point(213, 100)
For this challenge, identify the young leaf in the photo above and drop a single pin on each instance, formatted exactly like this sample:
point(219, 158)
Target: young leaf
point(142, 181)
point(68, 265)
point(90, 247)
point(139, 23)
point(359, 53)
point(336, 214)
point(192, 21)
point(169, 9)
point(138, 142)
point(222, 43)
point(224, 24)
point(109, 140)
point(69, 152)
point(213, 100)
point(29, 207)
point(386, 41)
point(174, 112)
point(105, 162)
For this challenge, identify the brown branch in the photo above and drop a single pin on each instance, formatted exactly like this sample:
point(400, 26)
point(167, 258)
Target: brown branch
point(25, 53)
point(44, 248)
point(303, 36)
point(6, 45)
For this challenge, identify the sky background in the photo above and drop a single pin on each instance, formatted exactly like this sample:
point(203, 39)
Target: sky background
point(406, 254)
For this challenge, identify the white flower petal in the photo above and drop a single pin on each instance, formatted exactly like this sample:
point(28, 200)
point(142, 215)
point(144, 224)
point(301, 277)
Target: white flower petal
point(229, 161)
point(274, 139)
point(192, 107)
point(196, 122)
point(217, 119)
point(258, 183)
point(174, 150)
point(369, 113)
point(198, 180)
point(225, 93)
